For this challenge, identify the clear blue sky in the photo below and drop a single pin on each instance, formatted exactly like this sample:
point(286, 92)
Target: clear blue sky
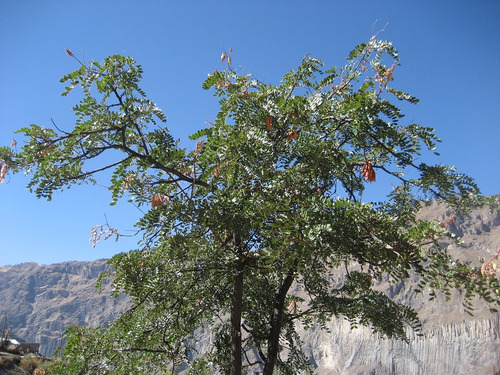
point(450, 53)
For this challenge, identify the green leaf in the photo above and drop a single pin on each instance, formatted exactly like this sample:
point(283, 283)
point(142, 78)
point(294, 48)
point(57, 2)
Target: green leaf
point(200, 133)
point(212, 79)
point(357, 51)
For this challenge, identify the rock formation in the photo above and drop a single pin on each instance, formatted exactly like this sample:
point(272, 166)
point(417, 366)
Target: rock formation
point(453, 342)
point(40, 301)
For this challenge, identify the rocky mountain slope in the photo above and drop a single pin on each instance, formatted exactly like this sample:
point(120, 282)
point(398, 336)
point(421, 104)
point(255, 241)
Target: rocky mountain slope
point(40, 301)
point(453, 342)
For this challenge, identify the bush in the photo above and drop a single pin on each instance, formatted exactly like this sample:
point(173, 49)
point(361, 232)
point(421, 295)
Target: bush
point(29, 363)
point(8, 361)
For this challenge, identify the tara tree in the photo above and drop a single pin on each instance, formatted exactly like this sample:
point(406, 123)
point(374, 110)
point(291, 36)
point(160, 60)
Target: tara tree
point(270, 198)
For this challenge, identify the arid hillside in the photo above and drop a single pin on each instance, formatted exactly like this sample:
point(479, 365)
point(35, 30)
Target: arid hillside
point(40, 301)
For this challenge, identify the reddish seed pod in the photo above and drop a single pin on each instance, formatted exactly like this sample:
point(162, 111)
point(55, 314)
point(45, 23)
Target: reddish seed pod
point(268, 122)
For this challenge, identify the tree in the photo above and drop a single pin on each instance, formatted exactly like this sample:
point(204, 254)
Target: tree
point(271, 197)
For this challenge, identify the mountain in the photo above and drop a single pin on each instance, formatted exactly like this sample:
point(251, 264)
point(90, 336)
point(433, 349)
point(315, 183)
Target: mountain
point(40, 301)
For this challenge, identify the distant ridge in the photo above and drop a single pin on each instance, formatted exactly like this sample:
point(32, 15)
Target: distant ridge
point(40, 301)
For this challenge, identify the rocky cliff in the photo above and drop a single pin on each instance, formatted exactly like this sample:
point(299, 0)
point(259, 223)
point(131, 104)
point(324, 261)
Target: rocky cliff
point(453, 342)
point(40, 301)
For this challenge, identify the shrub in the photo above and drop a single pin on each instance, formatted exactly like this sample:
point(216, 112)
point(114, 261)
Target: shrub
point(30, 363)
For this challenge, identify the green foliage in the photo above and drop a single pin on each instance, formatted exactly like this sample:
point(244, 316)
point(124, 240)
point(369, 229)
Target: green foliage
point(271, 196)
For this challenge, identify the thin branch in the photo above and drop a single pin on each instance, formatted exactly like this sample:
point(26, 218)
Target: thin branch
point(133, 308)
point(249, 363)
point(381, 144)
point(250, 331)
point(86, 174)
point(62, 131)
point(144, 350)
point(120, 100)
point(303, 313)
point(155, 164)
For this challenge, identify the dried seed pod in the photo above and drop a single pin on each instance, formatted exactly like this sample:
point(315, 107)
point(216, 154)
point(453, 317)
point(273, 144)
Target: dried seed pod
point(199, 146)
point(156, 201)
point(368, 172)
point(3, 172)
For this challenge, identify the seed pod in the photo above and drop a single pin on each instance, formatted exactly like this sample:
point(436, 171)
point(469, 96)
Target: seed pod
point(3, 172)
point(368, 172)
point(268, 122)
point(292, 134)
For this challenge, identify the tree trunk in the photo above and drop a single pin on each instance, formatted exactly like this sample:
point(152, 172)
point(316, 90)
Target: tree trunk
point(276, 323)
point(236, 306)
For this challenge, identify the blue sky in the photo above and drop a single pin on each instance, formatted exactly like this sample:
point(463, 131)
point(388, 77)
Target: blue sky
point(450, 54)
